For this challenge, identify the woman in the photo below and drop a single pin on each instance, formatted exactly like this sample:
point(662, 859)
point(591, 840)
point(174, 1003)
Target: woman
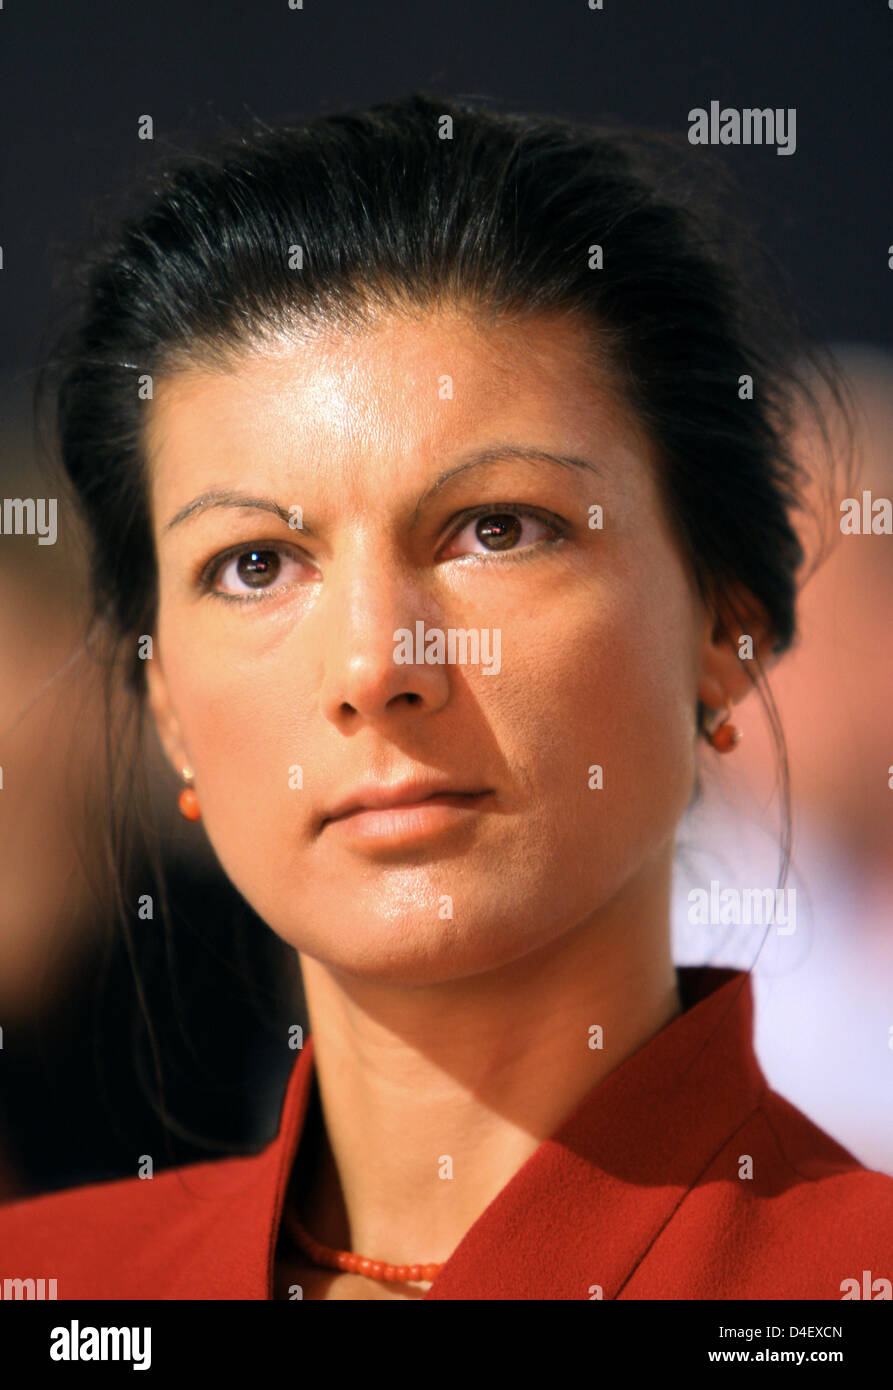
point(437, 463)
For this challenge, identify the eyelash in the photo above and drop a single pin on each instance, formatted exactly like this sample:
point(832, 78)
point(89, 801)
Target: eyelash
point(209, 572)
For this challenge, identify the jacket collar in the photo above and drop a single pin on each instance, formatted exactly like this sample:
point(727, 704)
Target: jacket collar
point(610, 1177)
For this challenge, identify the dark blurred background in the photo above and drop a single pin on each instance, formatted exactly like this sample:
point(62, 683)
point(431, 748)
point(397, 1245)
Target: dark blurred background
point(74, 80)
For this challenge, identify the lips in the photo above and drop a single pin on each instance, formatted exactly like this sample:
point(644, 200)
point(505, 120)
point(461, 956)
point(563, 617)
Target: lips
point(378, 797)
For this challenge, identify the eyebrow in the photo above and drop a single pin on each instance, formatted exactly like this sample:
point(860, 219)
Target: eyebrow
point(494, 453)
point(241, 501)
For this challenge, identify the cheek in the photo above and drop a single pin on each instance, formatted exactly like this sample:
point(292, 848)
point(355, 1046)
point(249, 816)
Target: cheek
point(612, 687)
point(244, 727)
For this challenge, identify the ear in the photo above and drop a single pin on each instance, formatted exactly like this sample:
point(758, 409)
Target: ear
point(163, 714)
point(736, 636)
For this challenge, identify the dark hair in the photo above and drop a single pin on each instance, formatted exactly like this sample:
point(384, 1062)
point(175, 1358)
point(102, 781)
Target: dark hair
point(423, 200)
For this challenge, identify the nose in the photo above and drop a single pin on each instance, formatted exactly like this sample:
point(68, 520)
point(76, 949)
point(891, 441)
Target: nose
point(362, 614)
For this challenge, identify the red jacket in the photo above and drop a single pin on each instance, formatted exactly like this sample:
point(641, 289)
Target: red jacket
point(639, 1194)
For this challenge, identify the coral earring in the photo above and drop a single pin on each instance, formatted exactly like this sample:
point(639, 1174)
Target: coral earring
point(725, 738)
point(188, 804)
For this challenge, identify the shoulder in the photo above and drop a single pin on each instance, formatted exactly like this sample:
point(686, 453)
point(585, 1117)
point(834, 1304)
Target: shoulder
point(807, 1149)
point(781, 1211)
point(811, 1175)
point(152, 1237)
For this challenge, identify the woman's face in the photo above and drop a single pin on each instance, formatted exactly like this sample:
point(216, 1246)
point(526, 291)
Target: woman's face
point(416, 457)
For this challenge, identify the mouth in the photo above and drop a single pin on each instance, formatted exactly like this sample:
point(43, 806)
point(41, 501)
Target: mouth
point(400, 817)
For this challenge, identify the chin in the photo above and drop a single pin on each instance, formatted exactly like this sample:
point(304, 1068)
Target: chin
point(419, 948)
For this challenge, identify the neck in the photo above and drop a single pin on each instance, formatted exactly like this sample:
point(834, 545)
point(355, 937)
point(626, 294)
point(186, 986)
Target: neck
point(430, 1098)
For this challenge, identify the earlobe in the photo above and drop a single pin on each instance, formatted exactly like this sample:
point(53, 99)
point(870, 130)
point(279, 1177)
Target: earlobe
point(164, 717)
point(736, 644)
point(722, 733)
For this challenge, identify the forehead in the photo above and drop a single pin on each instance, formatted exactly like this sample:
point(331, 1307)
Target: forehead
point(407, 390)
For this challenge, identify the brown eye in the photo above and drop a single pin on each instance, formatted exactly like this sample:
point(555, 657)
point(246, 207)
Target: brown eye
point(500, 531)
point(254, 570)
point(257, 568)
